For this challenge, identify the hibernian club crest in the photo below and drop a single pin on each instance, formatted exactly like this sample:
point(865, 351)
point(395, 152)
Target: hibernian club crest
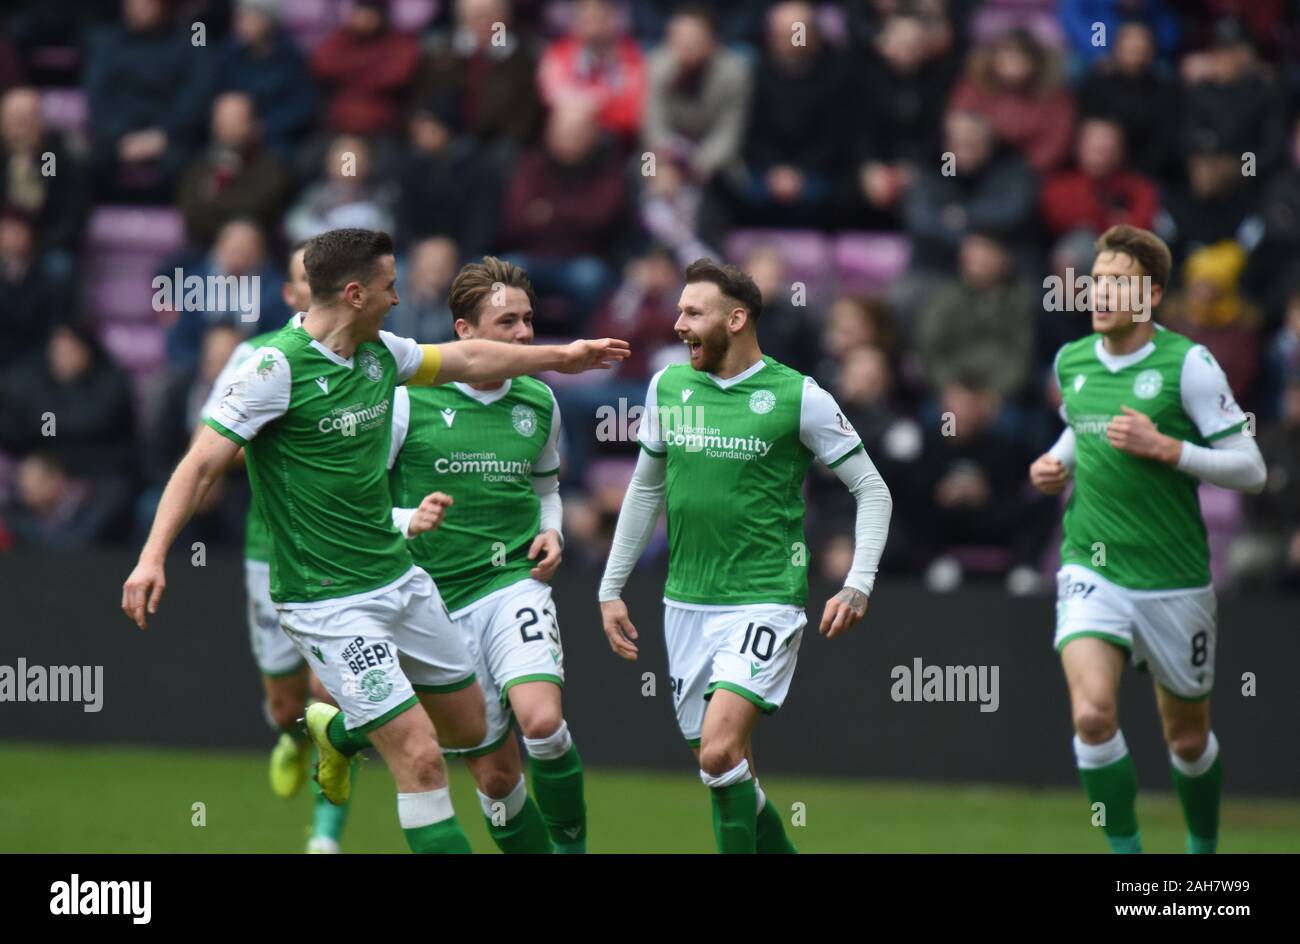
point(375, 685)
point(762, 401)
point(524, 420)
point(1147, 384)
point(370, 365)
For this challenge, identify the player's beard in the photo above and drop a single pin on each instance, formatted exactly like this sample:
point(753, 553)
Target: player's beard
point(713, 350)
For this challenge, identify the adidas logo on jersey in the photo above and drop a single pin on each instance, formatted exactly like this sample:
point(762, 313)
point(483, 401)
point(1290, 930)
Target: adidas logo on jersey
point(449, 416)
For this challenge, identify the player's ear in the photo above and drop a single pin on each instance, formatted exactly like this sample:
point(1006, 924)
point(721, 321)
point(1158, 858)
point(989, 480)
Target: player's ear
point(354, 293)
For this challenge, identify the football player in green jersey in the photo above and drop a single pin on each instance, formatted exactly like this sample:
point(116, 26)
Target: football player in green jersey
point(1149, 416)
point(312, 409)
point(726, 441)
point(493, 447)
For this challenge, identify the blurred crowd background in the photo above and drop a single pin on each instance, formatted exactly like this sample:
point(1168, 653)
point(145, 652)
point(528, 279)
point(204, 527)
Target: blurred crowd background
point(899, 176)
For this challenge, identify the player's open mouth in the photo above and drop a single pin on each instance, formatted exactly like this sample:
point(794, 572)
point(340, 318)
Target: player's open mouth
point(693, 346)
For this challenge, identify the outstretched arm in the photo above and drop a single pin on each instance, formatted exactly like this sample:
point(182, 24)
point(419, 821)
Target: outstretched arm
point(479, 361)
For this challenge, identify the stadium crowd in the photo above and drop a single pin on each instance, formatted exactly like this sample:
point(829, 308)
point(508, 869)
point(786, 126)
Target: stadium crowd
point(899, 176)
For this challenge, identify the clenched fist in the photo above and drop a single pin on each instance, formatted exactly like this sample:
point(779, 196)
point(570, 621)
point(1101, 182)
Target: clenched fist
point(430, 513)
point(1049, 474)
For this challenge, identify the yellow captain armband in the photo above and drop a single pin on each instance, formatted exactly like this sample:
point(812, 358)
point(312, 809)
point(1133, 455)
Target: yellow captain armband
point(427, 374)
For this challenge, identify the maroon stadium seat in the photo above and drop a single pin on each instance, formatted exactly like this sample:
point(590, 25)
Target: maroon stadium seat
point(65, 110)
point(870, 262)
point(807, 253)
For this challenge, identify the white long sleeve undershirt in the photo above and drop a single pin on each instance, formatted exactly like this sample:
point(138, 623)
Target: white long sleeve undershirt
point(1063, 449)
point(645, 497)
point(1232, 462)
point(547, 488)
point(636, 523)
point(871, 526)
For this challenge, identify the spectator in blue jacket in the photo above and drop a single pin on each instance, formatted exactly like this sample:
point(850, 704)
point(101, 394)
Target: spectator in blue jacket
point(261, 60)
point(1091, 26)
point(148, 87)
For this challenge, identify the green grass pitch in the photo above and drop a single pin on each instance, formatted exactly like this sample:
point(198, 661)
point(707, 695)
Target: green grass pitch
point(64, 799)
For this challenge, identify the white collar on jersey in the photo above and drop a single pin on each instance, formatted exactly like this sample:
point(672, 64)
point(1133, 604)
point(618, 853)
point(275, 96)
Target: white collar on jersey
point(1117, 362)
point(341, 361)
point(485, 397)
point(297, 321)
point(745, 374)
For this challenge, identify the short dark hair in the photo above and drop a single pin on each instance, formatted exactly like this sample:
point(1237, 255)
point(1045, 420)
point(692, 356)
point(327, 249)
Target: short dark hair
point(1148, 249)
point(340, 256)
point(477, 280)
point(732, 281)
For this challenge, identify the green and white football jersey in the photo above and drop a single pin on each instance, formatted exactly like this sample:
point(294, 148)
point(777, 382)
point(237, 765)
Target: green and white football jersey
point(257, 540)
point(484, 448)
point(1137, 522)
point(737, 452)
point(315, 428)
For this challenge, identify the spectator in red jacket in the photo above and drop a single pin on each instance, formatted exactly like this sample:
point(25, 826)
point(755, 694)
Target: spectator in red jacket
point(366, 68)
point(1099, 193)
point(566, 211)
point(1014, 83)
point(599, 66)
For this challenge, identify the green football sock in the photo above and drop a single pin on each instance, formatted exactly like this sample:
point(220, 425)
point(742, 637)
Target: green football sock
point(770, 837)
point(327, 819)
point(735, 817)
point(523, 834)
point(444, 837)
point(557, 784)
point(347, 742)
point(1200, 798)
point(1114, 785)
